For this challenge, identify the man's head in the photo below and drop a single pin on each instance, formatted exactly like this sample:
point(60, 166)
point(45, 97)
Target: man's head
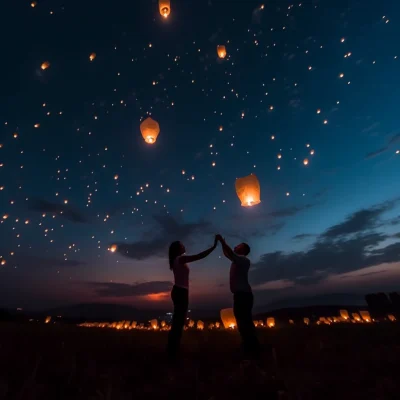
point(243, 249)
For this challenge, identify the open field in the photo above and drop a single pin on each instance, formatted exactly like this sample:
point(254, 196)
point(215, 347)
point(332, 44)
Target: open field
point(344, 361)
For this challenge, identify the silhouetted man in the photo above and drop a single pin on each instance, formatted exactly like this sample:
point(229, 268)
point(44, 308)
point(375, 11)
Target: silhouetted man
point(242, 295)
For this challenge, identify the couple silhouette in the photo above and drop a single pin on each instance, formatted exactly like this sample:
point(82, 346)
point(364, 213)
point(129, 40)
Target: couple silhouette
point(239, 285)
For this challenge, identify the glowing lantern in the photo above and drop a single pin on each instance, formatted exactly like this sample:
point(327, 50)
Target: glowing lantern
point(33, 4)
point(217, 325)
point(305, 162)
point(150, 130)
point(92, 56)
point(221, 50)
point(270, 322)
point(163, 324)
point(306, 321)
point(255, 323)
point(344, 314)
point(47, 320)
point(133, 324)
point(356, 317)
point(248, 190)
point(154, 323)
point(392, 317)
point(261, 323)
point(191, 323)
point(366, 316)
point(3, 262)
point(165, 7)
point(113, 248)
point(211, 326)
point(200, 325)
point(127, 324)
point(291, 322)
point(45, 65)
point(228, 318)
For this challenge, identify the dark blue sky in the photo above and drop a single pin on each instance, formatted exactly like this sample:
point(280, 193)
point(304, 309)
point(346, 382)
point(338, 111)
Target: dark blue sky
point(331, 226)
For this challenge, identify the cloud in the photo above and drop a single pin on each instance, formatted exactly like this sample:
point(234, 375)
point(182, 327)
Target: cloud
point(393, 140)
point(63, 210)
point(170, 229)
point(112, 289)
point(302, 236)
point(349, 246)
point(360, 220)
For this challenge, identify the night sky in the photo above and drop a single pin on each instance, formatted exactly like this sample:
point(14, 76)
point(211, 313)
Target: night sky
point(316, 80)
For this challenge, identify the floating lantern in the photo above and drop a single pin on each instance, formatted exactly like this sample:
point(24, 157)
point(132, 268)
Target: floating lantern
point(33, 4)
point(45, 65)
point(221, 50)
point(127, 324)
point(270, 322)
point(306, 321)
point(150, 130)
point(165, 7)
point(392, 317)
point(92, 56)
point(133, 324)
point(113, 248)
point(248, 190)
point(365, 316)
point(305, 161)
point(228, 318)
point(191, 323)
point(344, 314)
point(154, 323)
point(217, 325)
point(200, 325)
point(47, 320)
point(291, 322)
point(163, 324)
point(356, 317)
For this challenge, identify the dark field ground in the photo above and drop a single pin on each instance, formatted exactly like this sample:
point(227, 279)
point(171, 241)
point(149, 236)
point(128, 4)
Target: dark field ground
point(344, 361)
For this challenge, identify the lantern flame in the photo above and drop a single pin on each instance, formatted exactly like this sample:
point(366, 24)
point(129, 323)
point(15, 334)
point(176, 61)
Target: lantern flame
point(221, 50)
point(164, 7)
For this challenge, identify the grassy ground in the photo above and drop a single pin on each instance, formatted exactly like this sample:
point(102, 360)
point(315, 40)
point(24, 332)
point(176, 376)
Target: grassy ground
point(60, 362)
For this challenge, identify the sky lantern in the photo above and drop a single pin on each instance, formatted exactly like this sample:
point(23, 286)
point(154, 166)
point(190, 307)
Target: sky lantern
point(305, 162)
point(365, 316)
point(133, 324)
point(154, 323)
point(33, 4)
point(150, 130)
point(113, 248)
point(228, 318)
point(92, 56)
point(200, 325)
point(392, 317)
point(344, 314)
point(248, 190)
point(306, 321)
point(191, 323)
point(356, 317)
point(165, 7)
point(221, 50)
point(47, 320)
point(270, 322)
point(45, 65)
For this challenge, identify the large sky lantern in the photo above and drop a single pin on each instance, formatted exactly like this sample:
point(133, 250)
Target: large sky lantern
point(165, 7)
point(154, 323)
point(270, 322)
point(365, 315)
point(228, 318)
point(248, 190)
point(150, 130)
point(344, 314)
point(221, 50)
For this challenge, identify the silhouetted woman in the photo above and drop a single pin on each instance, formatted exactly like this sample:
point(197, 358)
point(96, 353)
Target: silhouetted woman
point(178, 263)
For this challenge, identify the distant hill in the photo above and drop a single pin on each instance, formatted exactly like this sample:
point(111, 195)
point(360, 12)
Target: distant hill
point(103, 312)
point(336, 299)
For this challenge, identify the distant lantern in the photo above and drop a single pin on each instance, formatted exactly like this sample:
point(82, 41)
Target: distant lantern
point(291, 322)
point(344, 314)
point(133, 324)
point(248, 190)
point(127, 324)
point(165, 7)
point(45, 65)
point(221, 50)
point(154, 323)
point(270, 322)
point(47, 320)
point(33, 4)
point(228, 318)
point(392, 317)
point(92, 56)
point(113, 248)
point(306, 321)
point(163, 324)
point(200, 325)
point(356, 317)
point(217, 324)
point(191, 323)
point(365, 316)
point(305, 162)
point(150, 130)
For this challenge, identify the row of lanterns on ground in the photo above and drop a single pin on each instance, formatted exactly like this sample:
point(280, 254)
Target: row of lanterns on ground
point(229, 322)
